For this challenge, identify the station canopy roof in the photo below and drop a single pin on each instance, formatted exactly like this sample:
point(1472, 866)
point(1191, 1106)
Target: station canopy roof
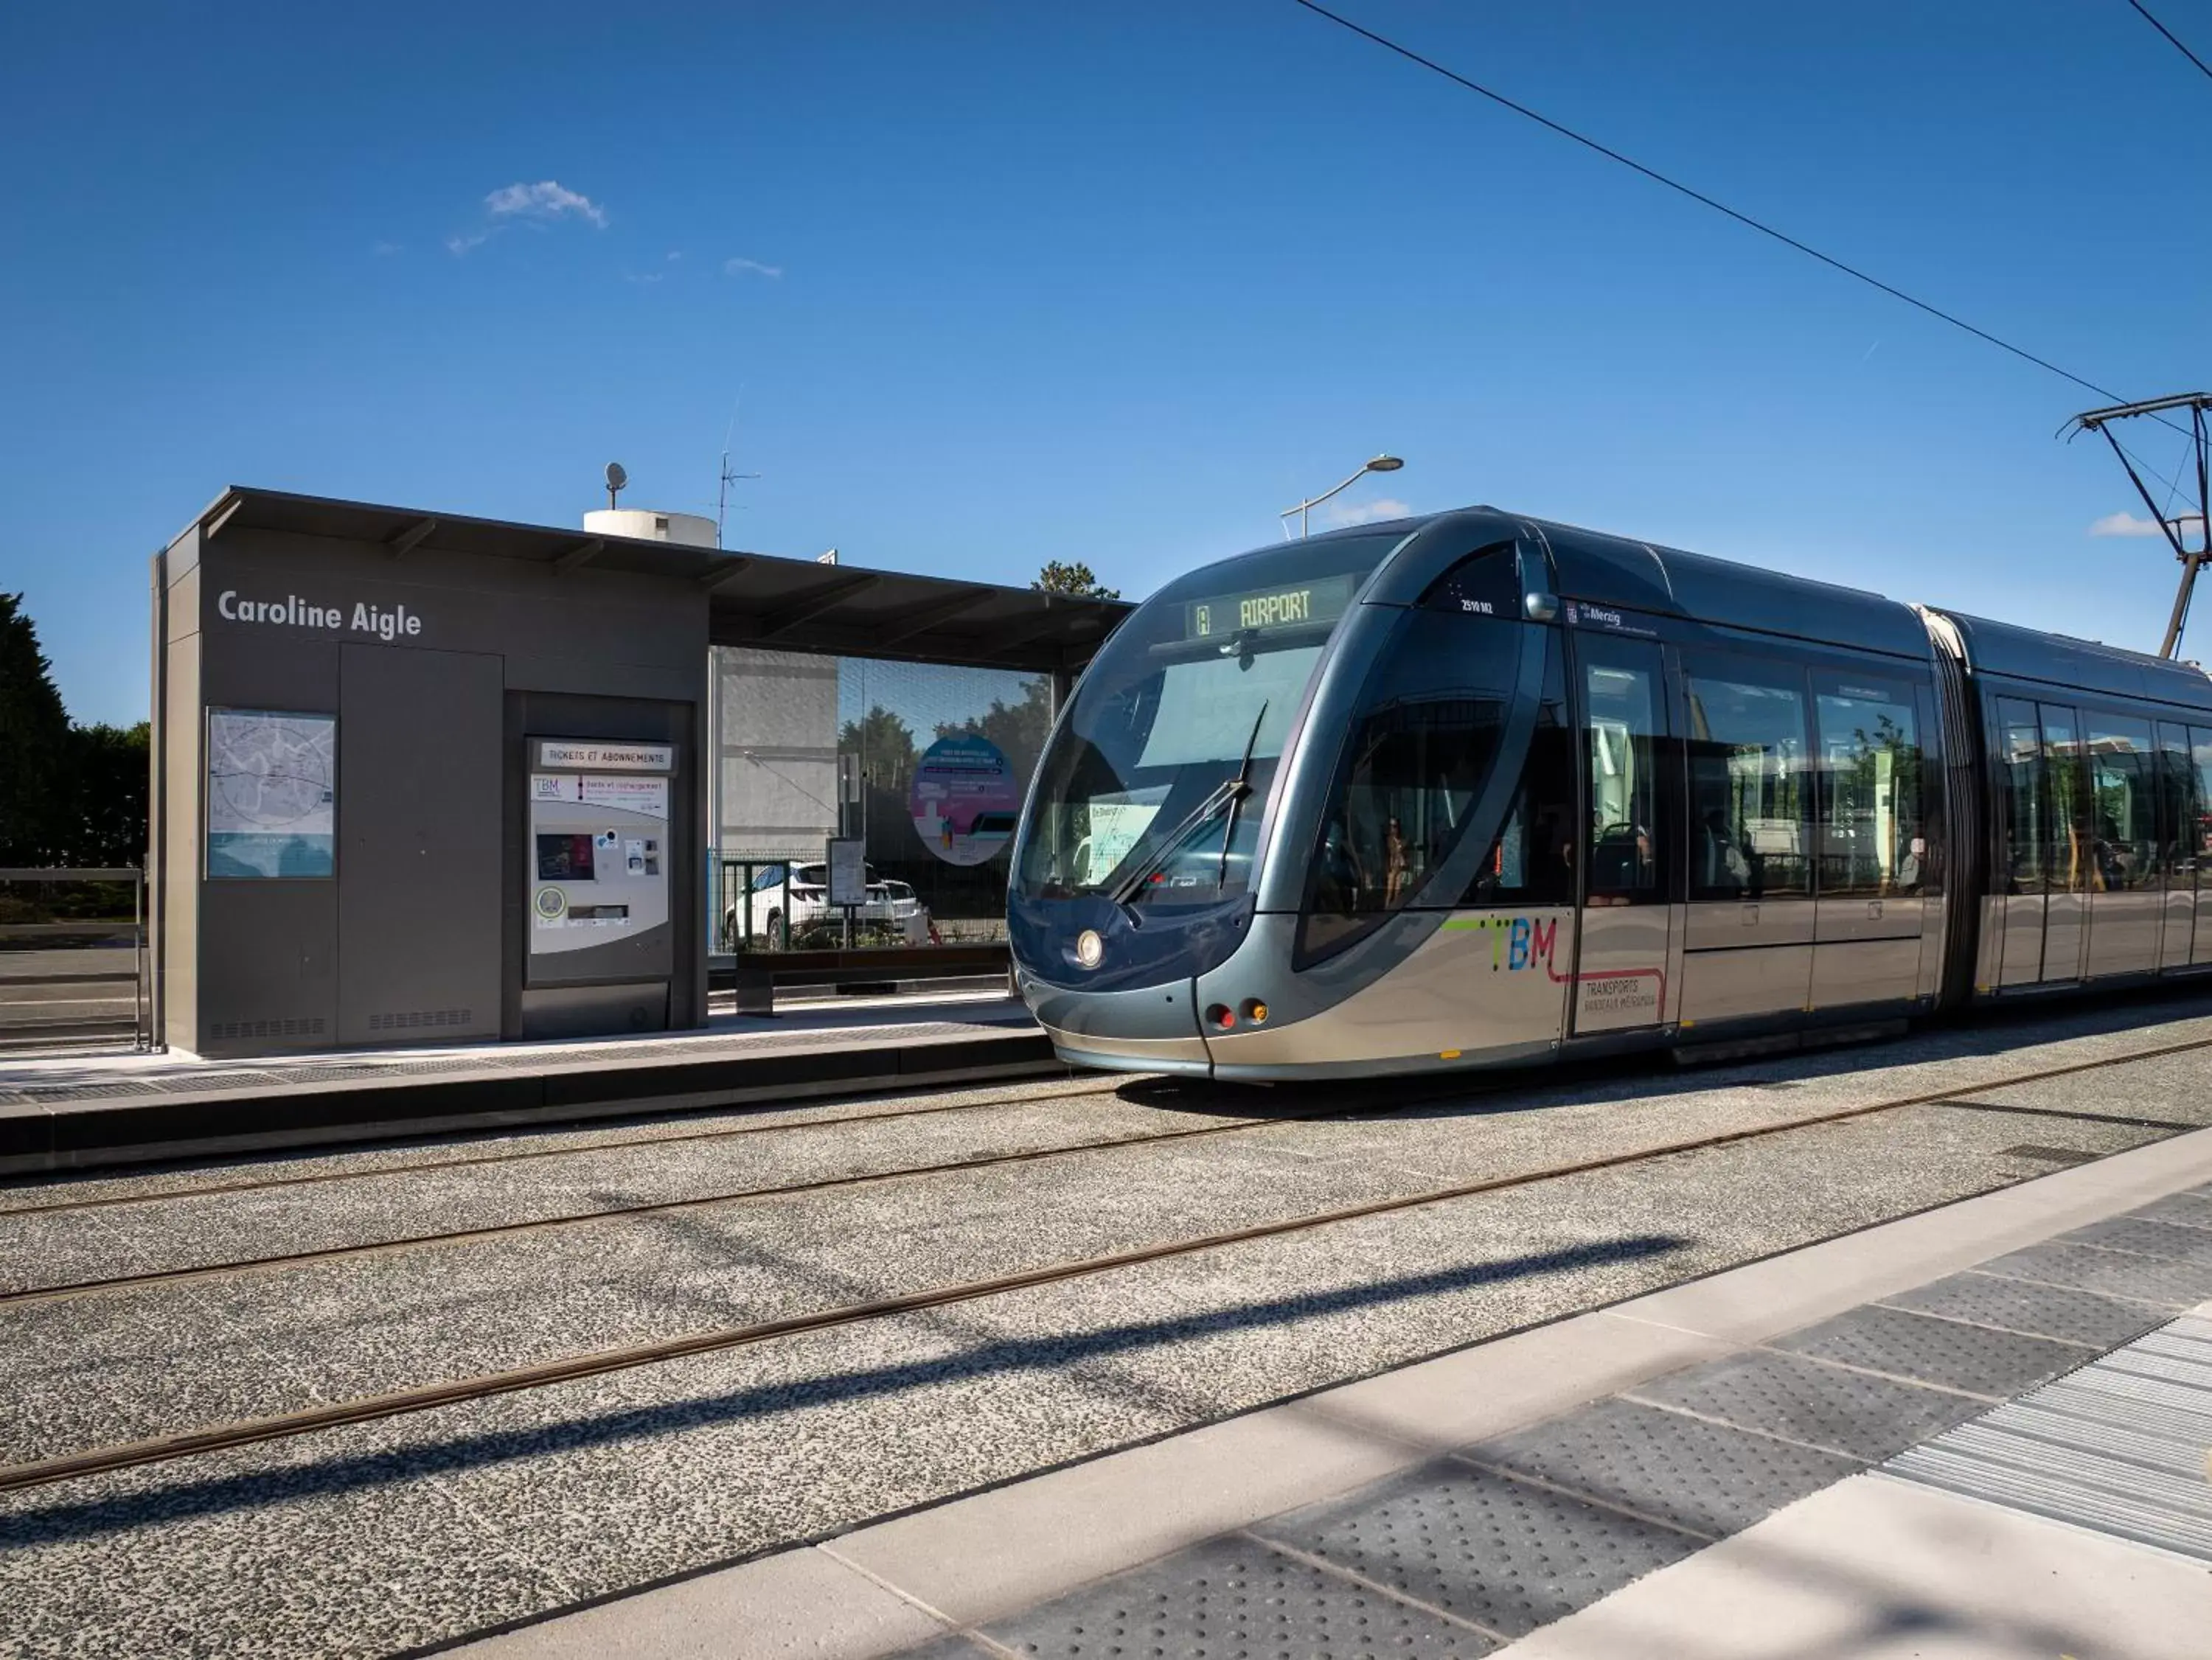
point(753, 599)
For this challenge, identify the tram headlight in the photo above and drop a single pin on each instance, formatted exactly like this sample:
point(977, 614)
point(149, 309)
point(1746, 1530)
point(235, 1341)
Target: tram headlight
point(1090, 949)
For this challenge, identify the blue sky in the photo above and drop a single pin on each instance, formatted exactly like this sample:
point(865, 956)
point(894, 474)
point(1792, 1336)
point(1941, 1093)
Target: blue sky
point(1006, 283)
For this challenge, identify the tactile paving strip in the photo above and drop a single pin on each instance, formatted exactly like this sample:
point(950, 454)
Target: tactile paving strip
point(1823, 1406)
point(1698, 1475)
point(1484, 1547)
point(190, 1083)
point(951, 1646)
point(1231, 1597)
point(84, 1092)
point(2149, 1238)
point(2182, 1209)
point(1931, 1350)
point(2038, 1311)
point(2172, 1285)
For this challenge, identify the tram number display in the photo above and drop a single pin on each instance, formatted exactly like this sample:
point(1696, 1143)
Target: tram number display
point(1223, 615)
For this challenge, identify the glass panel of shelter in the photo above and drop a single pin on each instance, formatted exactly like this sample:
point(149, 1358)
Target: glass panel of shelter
point(809, 747)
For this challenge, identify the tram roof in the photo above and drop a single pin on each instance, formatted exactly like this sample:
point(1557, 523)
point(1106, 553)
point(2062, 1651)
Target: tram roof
point(2089, 666)
point(1599, 569)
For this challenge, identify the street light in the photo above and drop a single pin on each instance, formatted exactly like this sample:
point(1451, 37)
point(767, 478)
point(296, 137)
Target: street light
point(1304, 509)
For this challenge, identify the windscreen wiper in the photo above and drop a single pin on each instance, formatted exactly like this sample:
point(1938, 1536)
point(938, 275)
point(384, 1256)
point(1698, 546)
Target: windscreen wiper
point(1243, 789)
point(1227, 793)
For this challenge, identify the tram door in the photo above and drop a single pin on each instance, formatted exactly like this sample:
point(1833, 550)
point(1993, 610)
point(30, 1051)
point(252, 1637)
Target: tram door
point(2126, 871)
point(2180, 815)
point(1748, 947)
point(2068, 852)
point(1621, 967)
point(2018, 886)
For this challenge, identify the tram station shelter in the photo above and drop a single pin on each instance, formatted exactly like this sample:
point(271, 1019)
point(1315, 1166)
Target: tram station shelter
point(420, 778)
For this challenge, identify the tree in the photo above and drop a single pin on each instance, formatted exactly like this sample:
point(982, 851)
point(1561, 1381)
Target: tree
point(1075, 579)
point(1019, 729)
point(107, 799)
point(884, 744)
point(34, 744)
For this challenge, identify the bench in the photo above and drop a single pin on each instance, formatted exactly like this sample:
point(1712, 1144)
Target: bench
point(754, 975)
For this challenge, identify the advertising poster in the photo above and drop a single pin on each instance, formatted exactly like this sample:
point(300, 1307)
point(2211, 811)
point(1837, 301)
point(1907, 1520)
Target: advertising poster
point(271, 795)
point(966, 799)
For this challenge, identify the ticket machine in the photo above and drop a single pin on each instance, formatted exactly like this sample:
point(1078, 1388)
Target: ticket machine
point(598, 864)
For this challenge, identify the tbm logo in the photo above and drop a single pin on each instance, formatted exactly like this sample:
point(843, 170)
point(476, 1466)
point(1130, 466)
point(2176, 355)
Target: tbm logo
point(1517, 942)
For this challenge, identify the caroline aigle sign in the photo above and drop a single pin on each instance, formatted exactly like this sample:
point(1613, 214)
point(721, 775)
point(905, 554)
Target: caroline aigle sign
point(292, 612)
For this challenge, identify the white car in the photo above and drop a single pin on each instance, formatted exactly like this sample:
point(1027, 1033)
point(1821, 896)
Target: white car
point(789, 900)
point(907, 910)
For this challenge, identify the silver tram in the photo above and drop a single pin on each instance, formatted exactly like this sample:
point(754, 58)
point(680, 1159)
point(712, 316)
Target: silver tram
point(1471, 789)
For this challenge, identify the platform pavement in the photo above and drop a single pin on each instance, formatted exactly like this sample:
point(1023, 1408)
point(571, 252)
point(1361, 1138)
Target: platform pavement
point(1709, 1471)
point(80, 1112)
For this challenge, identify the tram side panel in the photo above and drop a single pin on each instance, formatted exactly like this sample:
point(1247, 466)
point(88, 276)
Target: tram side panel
point(2096, 822)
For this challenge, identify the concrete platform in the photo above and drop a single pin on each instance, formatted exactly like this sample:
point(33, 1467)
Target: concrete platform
point(1721, 1469)
point(81, 1112)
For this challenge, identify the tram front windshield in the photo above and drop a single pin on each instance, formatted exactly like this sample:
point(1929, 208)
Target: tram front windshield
point(1152, 790)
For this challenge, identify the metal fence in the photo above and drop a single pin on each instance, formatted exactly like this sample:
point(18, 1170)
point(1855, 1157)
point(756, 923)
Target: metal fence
point(73, 960)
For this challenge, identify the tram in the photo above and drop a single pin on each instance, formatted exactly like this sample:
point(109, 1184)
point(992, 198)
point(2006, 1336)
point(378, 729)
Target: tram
point(1471, 789)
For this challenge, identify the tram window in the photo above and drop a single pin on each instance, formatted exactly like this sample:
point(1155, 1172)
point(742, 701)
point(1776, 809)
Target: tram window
point(2180, 809)
point(1431, 719)
point(2123, 807)
point(2068, 866)
point(1872, 838)
point(2019, 761)
point(1620, 739)
point(2200, 753)
point(1748, 767)
point(1532, 861)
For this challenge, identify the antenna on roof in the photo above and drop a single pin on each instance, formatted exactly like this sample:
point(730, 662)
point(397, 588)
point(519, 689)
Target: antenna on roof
point(617, 478)
point(728, 478)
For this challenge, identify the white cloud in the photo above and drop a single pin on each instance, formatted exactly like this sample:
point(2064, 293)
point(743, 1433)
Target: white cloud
point(461, 243)
point(743, 267)
point(543, 200)
point(1339, 513)
point(2127, 524)
point(648, 276)
point(383, 250)
point(674, 256)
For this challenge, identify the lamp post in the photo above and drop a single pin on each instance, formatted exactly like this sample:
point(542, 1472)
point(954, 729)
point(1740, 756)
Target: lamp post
point(1304, 509)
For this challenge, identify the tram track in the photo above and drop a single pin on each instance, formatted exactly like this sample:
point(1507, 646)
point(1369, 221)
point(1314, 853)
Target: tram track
point(33, 1296)
point(517, 1155)
point(182, 1445)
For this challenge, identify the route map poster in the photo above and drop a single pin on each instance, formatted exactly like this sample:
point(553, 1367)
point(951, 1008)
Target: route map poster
point(272, 794)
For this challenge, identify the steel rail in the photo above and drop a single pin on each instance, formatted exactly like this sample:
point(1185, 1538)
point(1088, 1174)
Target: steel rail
point(55, 1293)
point(516, 1155)
point(163, 1449)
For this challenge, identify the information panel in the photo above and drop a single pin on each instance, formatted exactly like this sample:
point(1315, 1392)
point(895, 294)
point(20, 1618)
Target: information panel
point(598, 849)
point(271, 794)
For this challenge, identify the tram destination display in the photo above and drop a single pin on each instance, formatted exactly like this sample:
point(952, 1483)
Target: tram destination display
point(1221, 615)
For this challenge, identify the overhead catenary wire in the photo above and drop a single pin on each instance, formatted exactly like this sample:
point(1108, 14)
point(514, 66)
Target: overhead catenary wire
point(2173, 39)
point(1703, 200)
